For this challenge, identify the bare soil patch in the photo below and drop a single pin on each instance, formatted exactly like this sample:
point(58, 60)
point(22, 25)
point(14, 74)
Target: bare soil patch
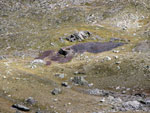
point(66, 54)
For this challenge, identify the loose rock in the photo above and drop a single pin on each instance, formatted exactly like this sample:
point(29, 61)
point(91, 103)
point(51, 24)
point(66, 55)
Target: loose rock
point(82, 35)
point(38, 61)
point(65, 84)
point(21, 107)
point(107, 58)
point(56, 91)
point(80, 80)
point(131, 105)
point(60, 75)
point(30, 101)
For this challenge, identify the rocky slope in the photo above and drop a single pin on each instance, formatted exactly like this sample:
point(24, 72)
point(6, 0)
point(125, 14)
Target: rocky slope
point(117, 80)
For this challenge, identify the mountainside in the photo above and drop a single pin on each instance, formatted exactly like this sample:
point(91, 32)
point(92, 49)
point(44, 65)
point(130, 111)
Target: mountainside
point(74, 56)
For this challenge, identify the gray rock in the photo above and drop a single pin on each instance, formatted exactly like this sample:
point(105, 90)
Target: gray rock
point(123, 92)
point(98, 92)
point(145, 102)
point(79, 36)
point(30, 101)
point(80, 80)
point(21, 107)
point(56, 91)
point(90, 85)
point(38, 61)
point(131, 105)
point(60, 75)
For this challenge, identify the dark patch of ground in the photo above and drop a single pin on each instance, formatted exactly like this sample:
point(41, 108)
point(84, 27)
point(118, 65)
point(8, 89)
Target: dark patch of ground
point(66, 54)
point(95, 47)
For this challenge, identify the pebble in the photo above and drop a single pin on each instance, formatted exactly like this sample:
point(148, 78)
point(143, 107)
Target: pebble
point(117, 88)
point(30, 100)
point(38, 61)
point(52, 44)
point(4, 77)
point(118, 67)
point(69, 103)
point(65, 84)
point(116, 57)
point(119, 62)
point(56, 91)
point(116, 51)
point(90, 85)
point(107, 58)
point(55, 100)
point(102, 100)
point(60, 75)
point(123, 92)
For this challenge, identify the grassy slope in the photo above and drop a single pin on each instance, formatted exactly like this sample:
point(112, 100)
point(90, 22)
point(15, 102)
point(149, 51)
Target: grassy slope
point(33, 33)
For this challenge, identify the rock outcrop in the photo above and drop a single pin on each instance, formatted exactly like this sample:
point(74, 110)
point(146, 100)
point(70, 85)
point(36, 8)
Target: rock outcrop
point(80, 36)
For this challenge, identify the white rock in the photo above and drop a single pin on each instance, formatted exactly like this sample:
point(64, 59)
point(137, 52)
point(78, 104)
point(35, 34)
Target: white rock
point(4, 77)
point(131, 105)
point(90, 85)
point(117, 88)
point(118, 67)
point(38, 61)
point(102, 100)
point(116, 57)
point(116, 51)
point(107, 58)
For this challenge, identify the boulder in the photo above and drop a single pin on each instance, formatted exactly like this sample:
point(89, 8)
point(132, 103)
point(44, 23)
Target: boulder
point(79, 36)
point(80, 80)
point(131, 105)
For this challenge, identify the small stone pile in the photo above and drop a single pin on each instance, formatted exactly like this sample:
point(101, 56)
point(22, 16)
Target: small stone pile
point(80, 36)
